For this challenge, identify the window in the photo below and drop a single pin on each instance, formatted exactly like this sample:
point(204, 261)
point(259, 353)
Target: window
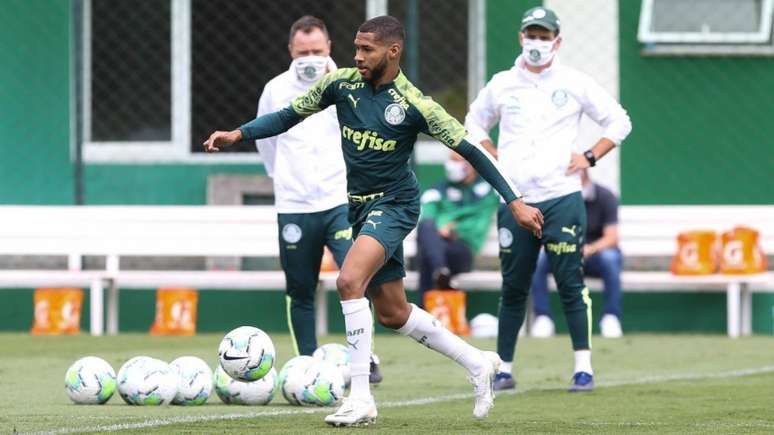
point(239, 45)
point(706, 26)
point(157, 76)
point(135, 78)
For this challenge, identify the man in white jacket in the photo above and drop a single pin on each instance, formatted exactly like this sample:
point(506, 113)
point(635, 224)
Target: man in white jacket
point(539, 104)
point(310, 186)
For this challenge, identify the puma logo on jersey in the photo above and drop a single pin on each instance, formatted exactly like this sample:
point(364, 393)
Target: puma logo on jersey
point(354, 101)
point(570, 230)
point(372, 222)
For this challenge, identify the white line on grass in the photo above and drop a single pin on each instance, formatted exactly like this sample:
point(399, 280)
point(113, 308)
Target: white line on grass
point(399, 403)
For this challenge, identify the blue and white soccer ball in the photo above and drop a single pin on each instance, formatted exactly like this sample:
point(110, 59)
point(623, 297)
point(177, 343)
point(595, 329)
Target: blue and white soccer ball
point(309, 382)
point(290, 378)
point(336, 354)
point(90, 381)
point(235, 392)
point(147, 381)
point(323, 385)
point(246, 354)
point(194, 380)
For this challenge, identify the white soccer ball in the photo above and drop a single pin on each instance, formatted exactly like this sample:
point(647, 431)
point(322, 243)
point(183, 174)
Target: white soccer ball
point(323, 385)
point(235, 392)
point(90, 380)
point(194, 380)
point(147, 381)
point(310, 382)
point(337, 355)
point(246, 353)
point(290, 378)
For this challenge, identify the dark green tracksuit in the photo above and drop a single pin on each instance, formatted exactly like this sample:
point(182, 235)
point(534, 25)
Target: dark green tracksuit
point(563, 233)
point(302, 237)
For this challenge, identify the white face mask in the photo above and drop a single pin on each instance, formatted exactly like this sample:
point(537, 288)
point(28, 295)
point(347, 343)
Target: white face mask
point(537, 52)
point(309, 69)
point(455, 170)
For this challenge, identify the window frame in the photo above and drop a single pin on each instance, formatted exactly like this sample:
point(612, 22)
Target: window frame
point(761, 36)
point(178, 149)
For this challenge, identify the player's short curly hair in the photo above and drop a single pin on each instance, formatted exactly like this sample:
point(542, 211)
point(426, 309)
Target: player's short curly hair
point(306, 24)
point(386, 28)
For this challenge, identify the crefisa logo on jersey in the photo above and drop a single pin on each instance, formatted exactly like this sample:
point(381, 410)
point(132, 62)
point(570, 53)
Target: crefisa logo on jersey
point(394, 114)
point(291, 233)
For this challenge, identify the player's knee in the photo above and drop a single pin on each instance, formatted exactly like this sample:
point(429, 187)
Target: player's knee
point(393, 317)
point(514, 294)
point(349, 286)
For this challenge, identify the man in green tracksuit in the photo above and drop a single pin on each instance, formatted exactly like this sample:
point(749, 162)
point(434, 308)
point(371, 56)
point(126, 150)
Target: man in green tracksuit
point(380, 115)
point(456, 214)
point(539, 104)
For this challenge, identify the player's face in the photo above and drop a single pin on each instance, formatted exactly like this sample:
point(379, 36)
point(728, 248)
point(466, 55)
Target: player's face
point(538, 33)
point(314, 43)
point(372, 56)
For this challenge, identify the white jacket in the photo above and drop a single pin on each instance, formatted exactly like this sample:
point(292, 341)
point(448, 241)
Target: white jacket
point(539, 117)
point(306, 162)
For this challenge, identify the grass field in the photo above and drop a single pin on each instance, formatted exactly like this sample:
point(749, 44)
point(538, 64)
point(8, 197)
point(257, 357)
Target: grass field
point(646, 384)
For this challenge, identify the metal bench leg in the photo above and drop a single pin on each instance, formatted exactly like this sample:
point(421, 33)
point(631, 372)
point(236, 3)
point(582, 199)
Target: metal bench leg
point(746, 301)
point(733, 309)
point(96, 307)
point(112, 308)
point(321, 308)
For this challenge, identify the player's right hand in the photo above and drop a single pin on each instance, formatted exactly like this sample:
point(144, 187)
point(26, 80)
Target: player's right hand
point(221, 139)
point(528, 217)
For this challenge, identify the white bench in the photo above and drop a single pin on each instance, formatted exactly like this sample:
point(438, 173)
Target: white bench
point(650, 231)
point(121, 231)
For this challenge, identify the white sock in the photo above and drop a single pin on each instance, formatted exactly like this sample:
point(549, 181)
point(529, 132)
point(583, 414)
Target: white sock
point(505, 367)
point(427, 330)
point(583, 362)
point(359, 326)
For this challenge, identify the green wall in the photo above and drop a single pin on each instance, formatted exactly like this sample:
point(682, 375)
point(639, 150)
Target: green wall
point(503, 19)
point(34, 102)
point(703, 130)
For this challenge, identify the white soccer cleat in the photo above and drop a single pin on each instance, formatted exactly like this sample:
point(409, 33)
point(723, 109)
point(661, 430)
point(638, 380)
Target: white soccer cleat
point(542, 327)
point(610, 326)
point(482, 385)
point(354, 412)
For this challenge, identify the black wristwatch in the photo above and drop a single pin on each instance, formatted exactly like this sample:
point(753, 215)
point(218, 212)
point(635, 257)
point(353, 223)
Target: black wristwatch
point(590, 157)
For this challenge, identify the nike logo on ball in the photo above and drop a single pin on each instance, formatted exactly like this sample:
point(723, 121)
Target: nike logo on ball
point(228, 357)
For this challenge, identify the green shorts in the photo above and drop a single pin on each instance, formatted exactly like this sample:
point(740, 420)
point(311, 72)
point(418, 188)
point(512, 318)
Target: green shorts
point(388, 220)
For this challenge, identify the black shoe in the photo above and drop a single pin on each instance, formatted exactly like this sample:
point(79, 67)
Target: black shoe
point(582, 382)
point(375, 376)
point(504, 381)
point(442, 278)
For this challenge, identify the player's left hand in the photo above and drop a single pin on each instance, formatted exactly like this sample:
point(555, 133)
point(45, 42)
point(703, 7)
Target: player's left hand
point(528, 217)
point(577, 162)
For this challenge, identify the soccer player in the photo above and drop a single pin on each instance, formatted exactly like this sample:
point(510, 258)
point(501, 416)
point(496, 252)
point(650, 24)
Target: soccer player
point(380, 115)
point(539, 104)
point(310, 186)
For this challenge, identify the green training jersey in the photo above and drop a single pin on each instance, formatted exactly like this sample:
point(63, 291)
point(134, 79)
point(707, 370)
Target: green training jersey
point(379, 127)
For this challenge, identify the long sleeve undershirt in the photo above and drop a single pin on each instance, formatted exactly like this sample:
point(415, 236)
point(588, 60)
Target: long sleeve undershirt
point(270, 124)
point(488, 168)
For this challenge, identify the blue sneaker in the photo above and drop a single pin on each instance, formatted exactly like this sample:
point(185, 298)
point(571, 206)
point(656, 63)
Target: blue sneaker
point(503, 381)
point(582, 381)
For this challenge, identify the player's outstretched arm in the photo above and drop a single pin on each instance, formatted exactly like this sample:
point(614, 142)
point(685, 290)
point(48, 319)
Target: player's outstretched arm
point(261, 127)
point(527, 216)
